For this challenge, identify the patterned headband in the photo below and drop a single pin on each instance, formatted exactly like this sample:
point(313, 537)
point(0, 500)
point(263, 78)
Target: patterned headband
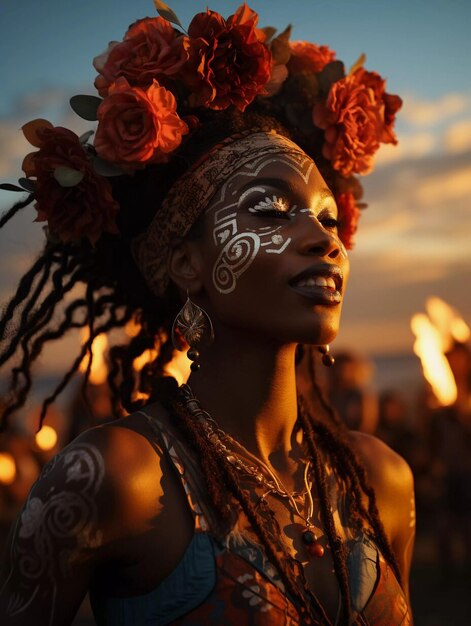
point(190, 195)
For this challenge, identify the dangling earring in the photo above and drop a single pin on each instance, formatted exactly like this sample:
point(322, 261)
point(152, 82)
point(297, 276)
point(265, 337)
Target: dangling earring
point(327, 359)
point(195, 326)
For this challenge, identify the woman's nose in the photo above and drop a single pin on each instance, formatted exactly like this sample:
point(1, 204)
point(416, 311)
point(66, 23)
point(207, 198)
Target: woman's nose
point(315, 239)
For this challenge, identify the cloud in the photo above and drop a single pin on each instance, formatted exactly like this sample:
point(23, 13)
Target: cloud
point(14, 148)
point(445, 188)
point(425, 113)
point(413, 242)
point(51, 104)
point(457, 138)
point(410, 146)
point(429, 127)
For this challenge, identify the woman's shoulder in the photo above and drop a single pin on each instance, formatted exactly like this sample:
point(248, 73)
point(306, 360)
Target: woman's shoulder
point(393, 483)
point(126, 447)
point(117, 462)
point(386, 469)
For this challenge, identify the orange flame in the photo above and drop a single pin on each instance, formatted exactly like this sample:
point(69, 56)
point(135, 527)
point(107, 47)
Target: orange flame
point(99, 370)
point(447, 321)
point(429, 348)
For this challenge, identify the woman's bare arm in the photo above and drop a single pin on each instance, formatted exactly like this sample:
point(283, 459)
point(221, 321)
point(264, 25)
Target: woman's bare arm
point(70, 524)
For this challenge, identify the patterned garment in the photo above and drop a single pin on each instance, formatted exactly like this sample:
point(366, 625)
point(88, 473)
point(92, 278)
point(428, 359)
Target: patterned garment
point(234, 584)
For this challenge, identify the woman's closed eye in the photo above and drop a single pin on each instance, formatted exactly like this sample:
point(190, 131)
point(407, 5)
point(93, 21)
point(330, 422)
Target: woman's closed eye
point(328, 220)
point(272, 207)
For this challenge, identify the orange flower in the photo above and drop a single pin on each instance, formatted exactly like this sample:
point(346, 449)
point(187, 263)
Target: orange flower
point(392, 103)
point(228, 62)
point(353, 123)
point(151, 50)
point(137, 127)
point(86, 208)
point(349, 215)
point(309, 57)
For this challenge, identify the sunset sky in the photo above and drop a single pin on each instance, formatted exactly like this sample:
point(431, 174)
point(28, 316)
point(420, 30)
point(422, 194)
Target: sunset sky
point(414, 239)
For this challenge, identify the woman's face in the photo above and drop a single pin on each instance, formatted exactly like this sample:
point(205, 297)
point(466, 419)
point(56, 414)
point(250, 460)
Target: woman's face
point(273, 261)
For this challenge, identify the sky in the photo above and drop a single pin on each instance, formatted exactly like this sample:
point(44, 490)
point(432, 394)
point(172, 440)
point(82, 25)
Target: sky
point(414, 239)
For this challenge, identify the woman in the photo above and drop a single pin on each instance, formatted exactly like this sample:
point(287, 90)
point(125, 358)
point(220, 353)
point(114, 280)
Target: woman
point(200, 214)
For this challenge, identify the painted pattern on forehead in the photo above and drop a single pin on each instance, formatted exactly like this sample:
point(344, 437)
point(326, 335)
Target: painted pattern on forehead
point(241, 248)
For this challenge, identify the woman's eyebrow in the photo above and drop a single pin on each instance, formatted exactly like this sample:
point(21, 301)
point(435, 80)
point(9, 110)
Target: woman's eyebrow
point(325, 194)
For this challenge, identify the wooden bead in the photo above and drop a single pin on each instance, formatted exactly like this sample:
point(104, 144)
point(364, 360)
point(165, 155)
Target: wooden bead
point(316, 550)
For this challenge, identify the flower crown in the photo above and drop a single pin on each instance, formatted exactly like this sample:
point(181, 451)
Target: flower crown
point(152, 86)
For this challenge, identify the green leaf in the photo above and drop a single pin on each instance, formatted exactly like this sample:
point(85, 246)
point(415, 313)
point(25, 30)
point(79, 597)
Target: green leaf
point(166, 12)
point(27, 184)
point(360, 62)
point(331, 73)
point(269, 32)
point(10, 187)
point(86, 136)
point(68, 177)
point(280, 47)
point(86, 106)
point(105, 168)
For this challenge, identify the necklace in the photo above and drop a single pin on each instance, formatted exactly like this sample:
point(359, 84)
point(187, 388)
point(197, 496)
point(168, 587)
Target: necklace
point(272, 485)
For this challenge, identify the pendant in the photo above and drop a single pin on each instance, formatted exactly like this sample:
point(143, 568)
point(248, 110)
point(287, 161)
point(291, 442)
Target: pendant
point(313, 545)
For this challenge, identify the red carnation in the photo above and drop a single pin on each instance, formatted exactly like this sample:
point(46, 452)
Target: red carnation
point(392, 103)
point(228, 61)
point(86, 208)
point(151, 50)
point(349, 215)
point(137, 127)
point(309, 57)
point(353, 122)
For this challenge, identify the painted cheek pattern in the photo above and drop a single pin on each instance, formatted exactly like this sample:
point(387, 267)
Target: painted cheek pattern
point(240, 247)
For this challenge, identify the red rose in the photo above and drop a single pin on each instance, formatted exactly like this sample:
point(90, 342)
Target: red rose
point(392, 103)
point(349, 214)
point(151, 50)
point(308, 57)
point(353, 123)
point(137, 127)
point(228, 61)
point(85, 209)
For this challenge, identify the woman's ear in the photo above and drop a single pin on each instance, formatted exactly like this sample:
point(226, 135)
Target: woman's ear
point(185, 265)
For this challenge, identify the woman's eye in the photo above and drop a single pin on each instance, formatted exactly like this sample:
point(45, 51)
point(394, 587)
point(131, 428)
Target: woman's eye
point(329, 222)
point(272, 207)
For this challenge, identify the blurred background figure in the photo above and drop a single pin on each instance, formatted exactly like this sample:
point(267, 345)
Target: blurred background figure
point(350, 391)
point(395, 425)
point(451, 451)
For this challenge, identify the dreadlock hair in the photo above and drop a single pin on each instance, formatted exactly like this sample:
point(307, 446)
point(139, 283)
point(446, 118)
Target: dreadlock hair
point(45, 308)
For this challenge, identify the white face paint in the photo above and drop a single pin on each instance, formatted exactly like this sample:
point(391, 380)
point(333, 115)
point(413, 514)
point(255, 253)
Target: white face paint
point(240, 246)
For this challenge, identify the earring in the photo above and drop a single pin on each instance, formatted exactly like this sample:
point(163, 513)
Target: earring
point(195, 326)
point(327, 359)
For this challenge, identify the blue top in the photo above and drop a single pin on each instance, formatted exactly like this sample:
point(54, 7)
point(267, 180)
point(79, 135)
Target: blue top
point(233, 583)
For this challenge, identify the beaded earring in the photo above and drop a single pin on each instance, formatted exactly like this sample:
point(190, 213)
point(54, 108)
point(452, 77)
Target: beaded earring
point(194, 325)
point(327, 359)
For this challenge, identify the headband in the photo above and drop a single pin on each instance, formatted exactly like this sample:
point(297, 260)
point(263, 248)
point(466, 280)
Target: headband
point(191, 194)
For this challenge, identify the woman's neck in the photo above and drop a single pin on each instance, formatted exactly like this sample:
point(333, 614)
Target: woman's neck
point(248, 386)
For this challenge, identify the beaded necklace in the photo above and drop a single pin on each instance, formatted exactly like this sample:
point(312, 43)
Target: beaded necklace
point(267, 478)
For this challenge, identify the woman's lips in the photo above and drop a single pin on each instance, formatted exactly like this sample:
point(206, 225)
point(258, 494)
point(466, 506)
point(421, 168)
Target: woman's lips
point(318, 294)
point(321, 283)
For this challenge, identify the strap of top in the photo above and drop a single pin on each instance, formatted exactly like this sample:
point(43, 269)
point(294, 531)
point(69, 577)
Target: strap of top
point(188, 472)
